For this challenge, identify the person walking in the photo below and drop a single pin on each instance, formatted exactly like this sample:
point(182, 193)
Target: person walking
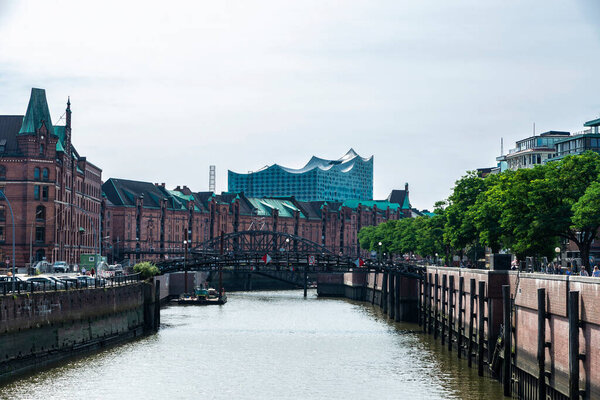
point(596, 272)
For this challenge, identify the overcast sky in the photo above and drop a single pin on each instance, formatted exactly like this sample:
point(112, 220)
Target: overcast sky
point(161, 90)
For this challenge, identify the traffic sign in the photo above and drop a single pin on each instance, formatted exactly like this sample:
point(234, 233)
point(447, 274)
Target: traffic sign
point(311, 260)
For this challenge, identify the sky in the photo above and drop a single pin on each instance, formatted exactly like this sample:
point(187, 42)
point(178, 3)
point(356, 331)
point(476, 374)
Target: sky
point(429, 88)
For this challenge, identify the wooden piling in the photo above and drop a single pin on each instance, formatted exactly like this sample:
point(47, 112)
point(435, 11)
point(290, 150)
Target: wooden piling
point(374, 288)
point(506, 365)
point(397, 298)
point(419, 302)
point(450, 310)
point(443, 310)
point(574, 345)
point(384, 284)
point(424, 303)
point(541, 344)
point(435, 305)
point(459, 329)
point(392, 291)
point(480, 326)
point(429, 306)
point(472, 297)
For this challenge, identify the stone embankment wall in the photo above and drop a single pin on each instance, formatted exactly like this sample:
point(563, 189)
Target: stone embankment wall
point(37, 329)
point(554, 323)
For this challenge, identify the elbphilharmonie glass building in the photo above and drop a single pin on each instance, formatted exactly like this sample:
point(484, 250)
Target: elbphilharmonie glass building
point(349, 177)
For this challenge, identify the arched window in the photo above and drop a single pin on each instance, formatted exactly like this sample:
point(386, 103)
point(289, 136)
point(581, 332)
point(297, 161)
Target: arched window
point(40, 213)
point(41, 149)
point(36, 174)
point(45, 174)
point(2, 172)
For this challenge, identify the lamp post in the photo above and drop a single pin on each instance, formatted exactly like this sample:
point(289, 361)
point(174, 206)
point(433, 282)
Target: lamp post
point(379, 252)
point(14, 276)
point(558, 258)
point(185, 244)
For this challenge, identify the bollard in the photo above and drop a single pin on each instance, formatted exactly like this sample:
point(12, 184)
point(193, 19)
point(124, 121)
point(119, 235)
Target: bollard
point(506, 366)
point(541, 348)
point(443, 310)
point(450, 310)
point(480, 327)
point(459, 329)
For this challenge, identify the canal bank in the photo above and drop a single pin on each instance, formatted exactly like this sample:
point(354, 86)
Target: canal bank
point(44, 327)
point(554, 322)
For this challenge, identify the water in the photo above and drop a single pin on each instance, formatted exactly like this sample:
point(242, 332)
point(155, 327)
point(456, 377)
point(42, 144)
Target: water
point(267, 345)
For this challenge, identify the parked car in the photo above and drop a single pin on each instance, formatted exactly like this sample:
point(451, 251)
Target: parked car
point(60, 266)
point(61, 283)
point(45, 283)
point(20, 284)
point(88, 281)
point(41, 267)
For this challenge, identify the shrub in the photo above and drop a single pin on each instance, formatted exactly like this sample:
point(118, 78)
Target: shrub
point(146, 269)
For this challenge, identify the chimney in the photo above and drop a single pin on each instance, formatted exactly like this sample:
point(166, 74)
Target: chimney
point(406, 187)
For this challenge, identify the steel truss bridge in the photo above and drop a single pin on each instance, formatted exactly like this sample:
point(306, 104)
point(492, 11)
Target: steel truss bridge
point(245, 252)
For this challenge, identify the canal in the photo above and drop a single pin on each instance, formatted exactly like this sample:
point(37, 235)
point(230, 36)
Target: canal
point(267, 345)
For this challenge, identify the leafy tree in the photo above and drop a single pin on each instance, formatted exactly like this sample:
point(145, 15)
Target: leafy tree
point(146, 269)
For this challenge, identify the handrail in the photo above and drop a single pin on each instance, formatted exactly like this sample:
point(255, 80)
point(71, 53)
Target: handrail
point(71, 284)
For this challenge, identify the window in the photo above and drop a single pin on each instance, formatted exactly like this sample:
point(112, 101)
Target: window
point(40, 213)
point(2, 214)
point(36, 192)
point(41, 149)
point(45, 193)
point(45, 174)
point(40, 234)
point(2, 237)
point(2, 172)
point(36, 174)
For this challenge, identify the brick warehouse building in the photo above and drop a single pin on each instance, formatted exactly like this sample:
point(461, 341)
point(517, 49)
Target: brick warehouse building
point(148, 221)
point(55, 193)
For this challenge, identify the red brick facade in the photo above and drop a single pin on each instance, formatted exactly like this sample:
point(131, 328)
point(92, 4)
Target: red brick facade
point(55, 194)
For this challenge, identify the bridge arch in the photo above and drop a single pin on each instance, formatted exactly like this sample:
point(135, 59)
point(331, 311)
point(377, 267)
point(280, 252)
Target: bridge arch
point(267, 242)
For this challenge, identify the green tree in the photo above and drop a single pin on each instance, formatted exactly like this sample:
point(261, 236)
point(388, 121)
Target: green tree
point(146, 269)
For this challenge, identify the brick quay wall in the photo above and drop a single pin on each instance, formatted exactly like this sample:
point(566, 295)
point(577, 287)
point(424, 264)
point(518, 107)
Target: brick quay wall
point(41, 328)
point(464, 308)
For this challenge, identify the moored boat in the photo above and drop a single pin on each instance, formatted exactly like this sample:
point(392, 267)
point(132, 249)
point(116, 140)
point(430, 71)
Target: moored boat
point(203, 297)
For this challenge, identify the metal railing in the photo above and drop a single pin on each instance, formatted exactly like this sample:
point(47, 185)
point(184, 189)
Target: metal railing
point(66, 284)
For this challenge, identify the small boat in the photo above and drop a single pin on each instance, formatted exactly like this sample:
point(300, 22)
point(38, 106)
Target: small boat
point(203, 297)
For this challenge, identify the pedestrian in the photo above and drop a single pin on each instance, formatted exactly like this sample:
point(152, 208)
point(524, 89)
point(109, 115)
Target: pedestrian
point(583, 271)
point(93, 272)
point(596, 272)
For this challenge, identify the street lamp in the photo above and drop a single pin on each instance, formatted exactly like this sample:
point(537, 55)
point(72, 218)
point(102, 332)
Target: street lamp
point(557, 251)
point(379, 252)
point(185, 244)
point(14, 276)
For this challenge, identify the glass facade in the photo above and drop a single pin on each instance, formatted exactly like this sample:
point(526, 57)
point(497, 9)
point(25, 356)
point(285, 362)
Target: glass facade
point(350, 177)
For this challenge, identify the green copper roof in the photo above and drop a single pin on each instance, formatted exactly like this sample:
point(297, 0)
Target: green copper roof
point(594, 122)
point(381, 205)
point(37, 113)
point(60, 132)
point(265, 207)
point(184, 197)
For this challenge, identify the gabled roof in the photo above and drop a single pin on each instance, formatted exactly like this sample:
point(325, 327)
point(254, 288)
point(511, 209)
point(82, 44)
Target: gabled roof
point(381, 204)
point(9, 128)
point(37, 113)
point(400, 197)
point(123, 192)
